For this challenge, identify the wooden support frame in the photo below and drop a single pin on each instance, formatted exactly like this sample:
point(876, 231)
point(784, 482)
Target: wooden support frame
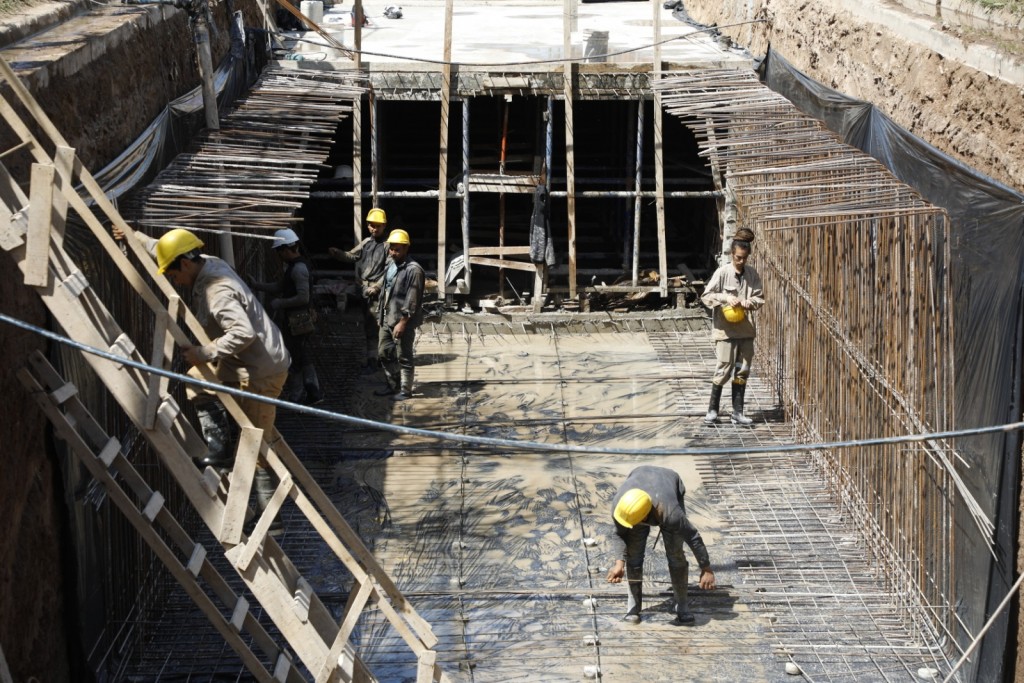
point(442, 160)
point(269, 574)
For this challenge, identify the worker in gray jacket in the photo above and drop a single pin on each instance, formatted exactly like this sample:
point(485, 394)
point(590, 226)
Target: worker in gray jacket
point(653, 496)
point(733, 293)
point(371, 259)
point(400, 313)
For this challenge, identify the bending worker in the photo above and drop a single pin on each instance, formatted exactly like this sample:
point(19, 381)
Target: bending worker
point(653, 496)
point(732, 294)
point(246, 350)
point(371, 259)
point(401, 312)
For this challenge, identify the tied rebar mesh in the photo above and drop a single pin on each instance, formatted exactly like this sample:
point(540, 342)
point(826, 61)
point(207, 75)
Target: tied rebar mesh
point(858, 336)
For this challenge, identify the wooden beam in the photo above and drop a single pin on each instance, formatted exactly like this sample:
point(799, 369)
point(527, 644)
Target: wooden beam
point(40, 216)
point(248, 451)
point(442, 161)
point(503, 263)
point(357, 169)
point(498, 251)
point(659, 154)
point(570, 145)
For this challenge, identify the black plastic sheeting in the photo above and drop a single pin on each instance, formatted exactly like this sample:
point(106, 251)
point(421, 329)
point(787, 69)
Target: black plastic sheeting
point(987, 270)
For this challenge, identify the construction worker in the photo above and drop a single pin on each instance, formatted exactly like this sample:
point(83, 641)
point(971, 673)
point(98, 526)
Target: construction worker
point(732, 293)
point(400, 313)
point(246, 350)
point(292, 311)
point(370, 257)
point(653, 496)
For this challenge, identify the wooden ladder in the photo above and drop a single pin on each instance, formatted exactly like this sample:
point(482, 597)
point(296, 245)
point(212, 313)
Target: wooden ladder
point(32, 232)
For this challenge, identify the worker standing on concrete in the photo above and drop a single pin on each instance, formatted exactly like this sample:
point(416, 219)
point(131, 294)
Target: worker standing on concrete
point(400, 313)
point(294, 314)
point(246, 350)
point(653, 496)
point(371, 258)
point(732, 293)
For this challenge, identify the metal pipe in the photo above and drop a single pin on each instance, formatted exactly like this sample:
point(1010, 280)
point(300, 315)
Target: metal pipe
point(617, 194)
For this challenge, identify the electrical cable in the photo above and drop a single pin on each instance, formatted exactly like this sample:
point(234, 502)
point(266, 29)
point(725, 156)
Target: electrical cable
point(508, 443)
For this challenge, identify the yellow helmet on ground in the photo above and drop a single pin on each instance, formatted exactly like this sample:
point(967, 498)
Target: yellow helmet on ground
point(734, 314)
point(376, 216)
point(398, 236)
point(172, 245)
point(632, 508)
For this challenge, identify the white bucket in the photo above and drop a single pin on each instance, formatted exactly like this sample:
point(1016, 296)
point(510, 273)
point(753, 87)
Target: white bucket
point(313, 10)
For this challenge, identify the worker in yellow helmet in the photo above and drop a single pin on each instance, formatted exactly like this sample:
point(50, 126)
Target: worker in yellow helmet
point(370, 257)
point(246, 350)
point(400, 313)
point(653, 496)
point(732, 293)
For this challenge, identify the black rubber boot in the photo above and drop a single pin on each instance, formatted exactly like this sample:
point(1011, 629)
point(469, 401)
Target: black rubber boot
point(312, 382)
point(738, 392)
point(635, 581)
point(216, 427)
point(713, 404)
point(405, 391)
point(266, 484)
point(680, 577)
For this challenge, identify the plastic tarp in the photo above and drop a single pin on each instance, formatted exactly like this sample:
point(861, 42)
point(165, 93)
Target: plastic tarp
point(987, 271)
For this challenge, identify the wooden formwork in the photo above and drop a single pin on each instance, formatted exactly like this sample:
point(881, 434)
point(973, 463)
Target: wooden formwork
point(32, 232)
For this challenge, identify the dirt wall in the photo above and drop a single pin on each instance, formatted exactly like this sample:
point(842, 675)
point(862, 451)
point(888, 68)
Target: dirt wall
point(960, 110)
point(99, 107)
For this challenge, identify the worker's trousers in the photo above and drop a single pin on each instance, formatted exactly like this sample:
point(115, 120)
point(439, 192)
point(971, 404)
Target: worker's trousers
point(396, 354)
point(731, 353)
point(675, 553)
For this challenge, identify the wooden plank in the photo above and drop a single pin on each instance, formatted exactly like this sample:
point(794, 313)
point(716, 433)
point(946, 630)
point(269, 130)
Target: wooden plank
point(442, 161)
point(570, 171)
point(252, 546)
point(425, 663)
point(499, 251)
point(163, 348)
point(40, 216)
point(502, 263)
point(357, 166)
point(357, 601)
point(659, 155)
point(249, 443)
point(64, 161)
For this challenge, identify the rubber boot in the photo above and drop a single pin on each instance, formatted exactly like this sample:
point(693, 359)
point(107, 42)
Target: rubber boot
point(406, 387)
point(266, 484)
point(680, 577)
point(312, 382)
point(716, 399)
point(292, 390)
point(738, 390)
point(216, 427)
point(635, 598)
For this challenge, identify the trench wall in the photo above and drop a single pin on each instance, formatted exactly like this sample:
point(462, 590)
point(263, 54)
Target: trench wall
point(100, 96)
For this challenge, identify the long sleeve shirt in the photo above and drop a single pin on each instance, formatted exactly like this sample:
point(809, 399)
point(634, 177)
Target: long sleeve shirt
point(666, 490)
point(403, 294)
point(244, 340)
point(371, 259)
point(746, 286)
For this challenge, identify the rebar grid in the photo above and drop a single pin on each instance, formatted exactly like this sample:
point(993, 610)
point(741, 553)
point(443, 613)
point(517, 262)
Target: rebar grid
point(248, 175)
point(843, 245)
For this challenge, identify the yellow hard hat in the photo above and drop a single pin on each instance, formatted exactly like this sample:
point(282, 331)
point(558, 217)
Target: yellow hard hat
point(398, 236)
point(734, 314)
point(632, 508)
point(376, 216)
point(172, 245)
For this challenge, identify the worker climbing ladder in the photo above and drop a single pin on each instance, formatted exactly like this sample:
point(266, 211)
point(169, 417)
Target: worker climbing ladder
point(32, 232)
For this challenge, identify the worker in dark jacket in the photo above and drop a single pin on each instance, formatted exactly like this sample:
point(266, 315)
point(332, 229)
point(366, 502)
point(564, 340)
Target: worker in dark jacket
point(400, 313)
point(653, 496)
point(293, 312)
point(371, 259)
